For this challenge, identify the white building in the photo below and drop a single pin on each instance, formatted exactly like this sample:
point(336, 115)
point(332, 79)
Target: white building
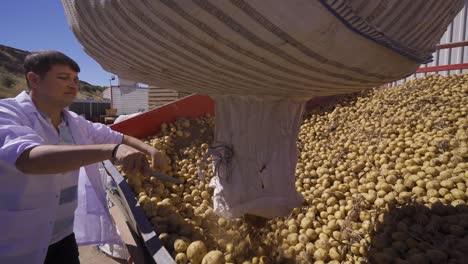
point(127, 97)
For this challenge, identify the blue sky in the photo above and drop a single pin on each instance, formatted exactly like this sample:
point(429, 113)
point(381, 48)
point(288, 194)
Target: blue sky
point(41, 24)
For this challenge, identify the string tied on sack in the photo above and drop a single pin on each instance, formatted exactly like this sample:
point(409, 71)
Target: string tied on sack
point(221, 154)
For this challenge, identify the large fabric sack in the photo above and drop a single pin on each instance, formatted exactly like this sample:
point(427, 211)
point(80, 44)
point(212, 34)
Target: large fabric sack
point(255, 155)
point(296, 48)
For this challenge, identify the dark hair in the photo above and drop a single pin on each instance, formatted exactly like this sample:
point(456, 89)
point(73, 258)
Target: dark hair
point(41, 61)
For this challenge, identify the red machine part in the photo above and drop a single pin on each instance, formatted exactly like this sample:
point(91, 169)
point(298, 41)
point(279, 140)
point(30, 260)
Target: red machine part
point(149, 123)
point(449, 67)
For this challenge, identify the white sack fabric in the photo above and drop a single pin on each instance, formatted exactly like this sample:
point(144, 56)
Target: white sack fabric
point(255, 155)
point(294, 48)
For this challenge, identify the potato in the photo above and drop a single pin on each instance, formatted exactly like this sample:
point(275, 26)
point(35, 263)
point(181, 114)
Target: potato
point(213, 257)
point(196, 251)
point(390, 162)
point(181, 258)
point(180, 245)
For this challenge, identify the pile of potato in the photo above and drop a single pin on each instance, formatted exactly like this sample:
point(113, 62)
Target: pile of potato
point(384, 174)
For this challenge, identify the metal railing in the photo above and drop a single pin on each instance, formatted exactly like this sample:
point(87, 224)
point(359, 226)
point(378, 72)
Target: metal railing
point(451, 55)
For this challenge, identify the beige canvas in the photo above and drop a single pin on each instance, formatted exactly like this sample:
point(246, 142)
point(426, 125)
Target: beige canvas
point(296, 48)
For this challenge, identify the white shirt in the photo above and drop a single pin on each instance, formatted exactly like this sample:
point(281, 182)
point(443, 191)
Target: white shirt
point(29, 203)
point(68, 201)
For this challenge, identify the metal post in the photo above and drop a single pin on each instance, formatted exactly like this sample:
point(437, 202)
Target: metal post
point(110, 86)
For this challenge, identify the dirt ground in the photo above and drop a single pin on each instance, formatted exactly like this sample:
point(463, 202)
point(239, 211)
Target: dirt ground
point(90, 255)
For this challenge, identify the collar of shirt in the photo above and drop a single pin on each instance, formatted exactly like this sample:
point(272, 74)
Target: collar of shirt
point(26, 102)
point(63, 121)
point(29, 107)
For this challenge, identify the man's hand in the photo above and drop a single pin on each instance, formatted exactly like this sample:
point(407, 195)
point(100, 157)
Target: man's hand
point(160, 162)
point(159, 159)
point(132, 160)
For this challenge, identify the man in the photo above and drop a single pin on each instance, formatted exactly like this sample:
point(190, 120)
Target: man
point(51, 195)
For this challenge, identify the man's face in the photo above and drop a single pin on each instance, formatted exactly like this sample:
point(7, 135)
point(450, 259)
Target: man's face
point(59, 86)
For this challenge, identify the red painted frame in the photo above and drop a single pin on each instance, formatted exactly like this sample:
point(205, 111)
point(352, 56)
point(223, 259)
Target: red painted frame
point(452, 45)
point(149, 123)
point(443, 68)
point(449, 67)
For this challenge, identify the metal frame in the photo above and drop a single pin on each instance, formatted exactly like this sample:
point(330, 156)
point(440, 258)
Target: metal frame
point(137, 218)
point(449, 67)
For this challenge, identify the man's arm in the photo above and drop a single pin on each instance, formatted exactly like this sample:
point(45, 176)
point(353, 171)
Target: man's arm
point(49, 159)
point(138, 144)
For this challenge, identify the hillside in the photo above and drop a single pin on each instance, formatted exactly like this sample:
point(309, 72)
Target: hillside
point(12, 80)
